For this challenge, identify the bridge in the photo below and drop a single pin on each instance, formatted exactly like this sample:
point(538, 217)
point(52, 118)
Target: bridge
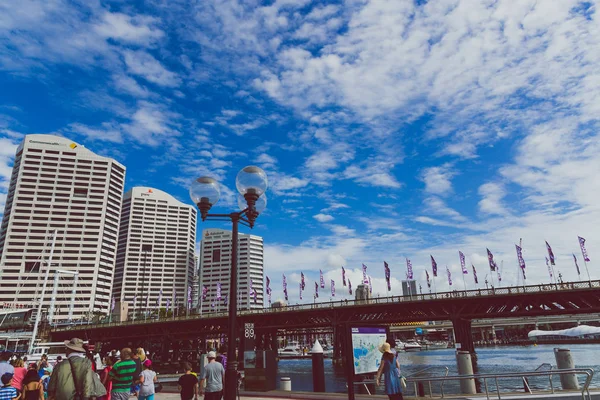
point(187, 333)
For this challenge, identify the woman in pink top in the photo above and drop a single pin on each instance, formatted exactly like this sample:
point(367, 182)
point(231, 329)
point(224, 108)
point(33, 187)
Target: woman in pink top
point(20, 372)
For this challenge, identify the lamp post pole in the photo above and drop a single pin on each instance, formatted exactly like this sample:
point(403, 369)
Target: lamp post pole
point(251, 183)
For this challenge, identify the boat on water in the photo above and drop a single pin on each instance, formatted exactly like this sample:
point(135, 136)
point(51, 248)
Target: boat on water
point(434, 345)
point(409, 346)
point(292, 350)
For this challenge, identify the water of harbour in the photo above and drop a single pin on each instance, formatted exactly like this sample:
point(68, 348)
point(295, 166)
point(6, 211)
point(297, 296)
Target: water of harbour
point(491, 360)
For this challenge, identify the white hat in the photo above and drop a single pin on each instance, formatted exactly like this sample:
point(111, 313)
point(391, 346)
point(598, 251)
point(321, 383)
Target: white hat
point(212, 354)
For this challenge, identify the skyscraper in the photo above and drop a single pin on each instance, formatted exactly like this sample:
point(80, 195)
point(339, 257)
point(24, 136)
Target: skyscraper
point(60, 186)
point(155, 259)
point(215, 267)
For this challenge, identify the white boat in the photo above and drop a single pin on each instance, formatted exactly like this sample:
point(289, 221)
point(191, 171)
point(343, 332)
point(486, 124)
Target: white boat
point(292, 350)
point(435, 345)
point(52, 350)
point(410, 346)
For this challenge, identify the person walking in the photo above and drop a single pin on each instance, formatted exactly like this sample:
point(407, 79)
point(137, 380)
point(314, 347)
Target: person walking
point(147, 380)
point(7, 391)
point(19, 374)
point(122, 376)
point(214, 374)
point(72, 376)
point(188, 383)
point(390, 369)
point(5, 366)
point(104, 376)
point(33, 389)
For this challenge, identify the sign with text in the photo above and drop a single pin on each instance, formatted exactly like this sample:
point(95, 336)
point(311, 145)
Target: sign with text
point(249, 336)
point(365, 349)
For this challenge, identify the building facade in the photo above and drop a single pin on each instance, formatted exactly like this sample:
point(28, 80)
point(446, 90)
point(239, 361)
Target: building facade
point(215, 267)
point(155, 259)
point(409, 288)
point(60, 189)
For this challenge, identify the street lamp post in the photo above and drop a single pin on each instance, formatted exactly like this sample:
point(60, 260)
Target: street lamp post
point(251, 183)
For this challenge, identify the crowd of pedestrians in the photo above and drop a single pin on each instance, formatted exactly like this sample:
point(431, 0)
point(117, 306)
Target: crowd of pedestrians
point(118, 376)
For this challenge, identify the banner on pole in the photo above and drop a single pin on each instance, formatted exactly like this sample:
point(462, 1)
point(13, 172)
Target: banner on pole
point(343, 276)
point(364, 269)
point(491, 260)
point(462, 263)
point(433, 266)
point(449, 276)
point(322, 280)
point(583, 250)
point(474, 274)
point(332, 288)
point(387, 275)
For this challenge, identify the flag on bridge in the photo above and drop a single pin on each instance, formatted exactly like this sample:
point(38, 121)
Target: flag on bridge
point(204, 292)
point(474, 274)
point(549, 267)
point(449, 276)
point(112, 304)
point(462, 263)
point(251, 291)
point(269, 290)
point(343, 276)
point(576, 265)
point(285, 292)
point(316, 290)
point(550, 253)
point(583, 250)
point(332, 288)
point(520, 257)
point(370, 286)
point(491, 260)
point(302, 280)
point(433, 266)
point(300, 290)
point(189, 299)
point(428, 281)
point(409, 268)
point(387, 275)
point(158, 301)
point(322, 280)
point(365, 281)
point(218, 290)
point(349, 286)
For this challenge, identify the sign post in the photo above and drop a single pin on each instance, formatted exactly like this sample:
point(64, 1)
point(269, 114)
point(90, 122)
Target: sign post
point(362, 349)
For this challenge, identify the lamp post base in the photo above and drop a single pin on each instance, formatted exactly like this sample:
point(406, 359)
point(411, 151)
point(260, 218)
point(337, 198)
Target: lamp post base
point(230, 385)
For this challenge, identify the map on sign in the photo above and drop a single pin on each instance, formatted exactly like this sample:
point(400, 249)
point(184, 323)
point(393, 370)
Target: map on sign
point(365, 348)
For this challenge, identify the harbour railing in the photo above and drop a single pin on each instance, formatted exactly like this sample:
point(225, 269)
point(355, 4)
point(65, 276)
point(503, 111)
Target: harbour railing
point(588, 373)
point(512, 290)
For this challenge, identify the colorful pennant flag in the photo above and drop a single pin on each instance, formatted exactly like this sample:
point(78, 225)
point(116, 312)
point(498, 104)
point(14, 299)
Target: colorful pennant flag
point(409, 269)
point(302, 280)
point(251, 291)
point(285, 292)
point(550, 253)
point(158, 301)
point(112, 304)
point(462, 263)
point(491, 260)
point(349, 287)
point(364, 268)
point(204, 292)
point(576, 265)
point(387, 275)
point(218, 290)
point(370, 286)
point(343, 276)
point(428, 281)
point(316, 290)
point(269, 290)
point(322, 280)
point(520, 256)
point(474, 274)
point(433, 266)
point(583, 250)
point(332, 288)
point(549, 267)
point(449, 276)
point(300, 290)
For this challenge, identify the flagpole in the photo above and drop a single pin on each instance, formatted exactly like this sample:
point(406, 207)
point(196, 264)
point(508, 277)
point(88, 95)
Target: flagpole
point(464, 282)
point(434, 287)
point(588, 272)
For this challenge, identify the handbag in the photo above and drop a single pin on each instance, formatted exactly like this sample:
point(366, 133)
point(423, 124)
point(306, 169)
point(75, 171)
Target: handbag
point(403, 382)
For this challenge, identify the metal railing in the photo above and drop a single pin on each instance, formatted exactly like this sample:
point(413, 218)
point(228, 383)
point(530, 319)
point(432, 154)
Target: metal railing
point(414, 374)
point(515, 290)
point(585, 393)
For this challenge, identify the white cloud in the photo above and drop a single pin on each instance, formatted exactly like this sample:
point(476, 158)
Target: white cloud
point(438, 180)
point(8, 148)
point(137, 29)
point(323, 217)
point(491, 202)
point(106, 132)
point(145, 65)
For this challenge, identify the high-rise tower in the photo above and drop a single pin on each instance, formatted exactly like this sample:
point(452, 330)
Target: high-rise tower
point(60, 186)
point(215, 267)
point(155, 259)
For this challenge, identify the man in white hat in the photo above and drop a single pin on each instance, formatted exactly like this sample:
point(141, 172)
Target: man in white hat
point(214, 374)
point(73, 375)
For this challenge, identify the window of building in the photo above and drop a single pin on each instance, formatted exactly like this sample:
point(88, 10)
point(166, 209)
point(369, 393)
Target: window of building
point(32, 267)
point(216, 255)
point(80, 192)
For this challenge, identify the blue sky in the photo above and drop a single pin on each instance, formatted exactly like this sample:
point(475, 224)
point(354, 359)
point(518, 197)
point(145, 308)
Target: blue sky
point(388, 129)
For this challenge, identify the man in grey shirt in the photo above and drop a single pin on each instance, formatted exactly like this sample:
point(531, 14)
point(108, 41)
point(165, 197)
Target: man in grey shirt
point(5, 367)
point(214, 374)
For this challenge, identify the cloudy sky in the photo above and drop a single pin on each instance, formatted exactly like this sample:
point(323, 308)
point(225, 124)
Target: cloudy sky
point(388, 129)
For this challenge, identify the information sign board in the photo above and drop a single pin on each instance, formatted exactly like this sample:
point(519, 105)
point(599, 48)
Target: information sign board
point(365, 349)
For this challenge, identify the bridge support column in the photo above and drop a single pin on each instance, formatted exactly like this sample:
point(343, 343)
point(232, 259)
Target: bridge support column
point(463, 339)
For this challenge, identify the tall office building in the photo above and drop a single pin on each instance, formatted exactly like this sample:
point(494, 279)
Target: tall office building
point(409, 288)
point(60, 186)
point(155, 258)
point(215, 267)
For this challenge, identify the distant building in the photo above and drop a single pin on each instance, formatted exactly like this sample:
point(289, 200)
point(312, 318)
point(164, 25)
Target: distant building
point(409, 288)
point(215, 267)
point(60, 186)
point(362, 293)
point(155, 260)
point(196, 283)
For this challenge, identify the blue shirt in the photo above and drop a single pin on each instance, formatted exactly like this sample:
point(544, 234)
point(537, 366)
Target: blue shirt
point(8, 393)
point(6, 367)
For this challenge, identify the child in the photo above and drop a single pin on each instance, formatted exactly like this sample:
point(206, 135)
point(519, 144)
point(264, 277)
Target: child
point(188, 384)
point(7, 391)
point(147, 379)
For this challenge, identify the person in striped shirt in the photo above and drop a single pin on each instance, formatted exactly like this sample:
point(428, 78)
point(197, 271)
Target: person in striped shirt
point(122, 376)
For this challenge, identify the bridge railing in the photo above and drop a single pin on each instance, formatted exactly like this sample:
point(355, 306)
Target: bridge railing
point(493, 291)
